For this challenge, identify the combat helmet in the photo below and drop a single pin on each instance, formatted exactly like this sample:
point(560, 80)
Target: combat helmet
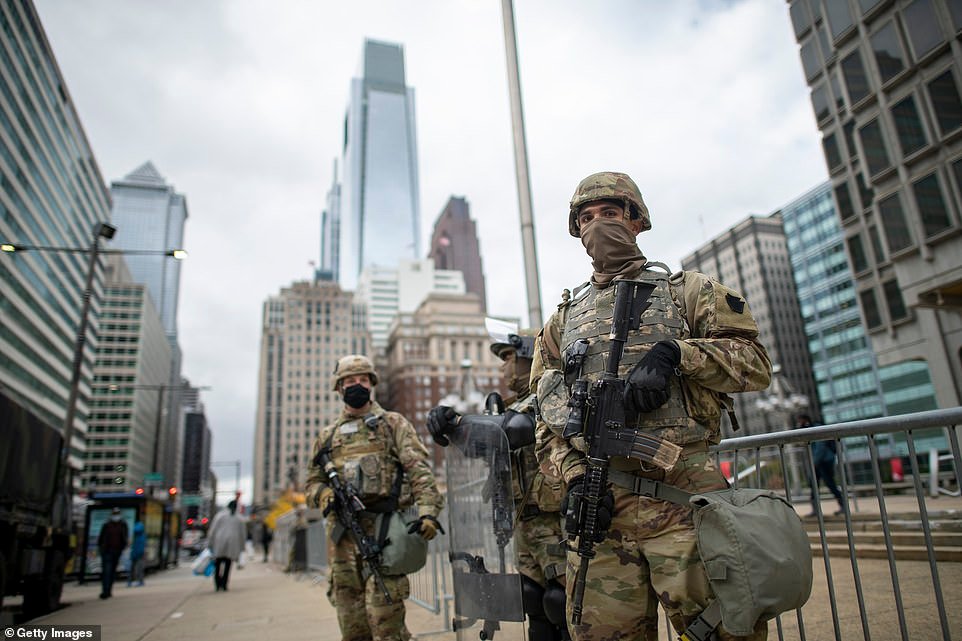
point(522, 342)
point(608, 185)
point(351, 365)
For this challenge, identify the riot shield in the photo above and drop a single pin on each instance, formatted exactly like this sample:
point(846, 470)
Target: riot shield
point(487, 587)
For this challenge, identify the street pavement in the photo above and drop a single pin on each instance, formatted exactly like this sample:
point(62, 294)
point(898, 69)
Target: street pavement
point(264, 604)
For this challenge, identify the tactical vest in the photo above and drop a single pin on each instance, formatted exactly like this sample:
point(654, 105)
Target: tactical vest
point(589, 315)
point(365, 456)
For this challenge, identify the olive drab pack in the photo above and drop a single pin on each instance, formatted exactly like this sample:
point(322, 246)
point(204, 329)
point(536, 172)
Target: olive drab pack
point(402, 552)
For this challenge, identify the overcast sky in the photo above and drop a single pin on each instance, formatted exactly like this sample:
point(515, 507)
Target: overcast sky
point(240, 105)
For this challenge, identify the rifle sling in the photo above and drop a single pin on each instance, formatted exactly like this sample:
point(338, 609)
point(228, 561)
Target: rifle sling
point(649, 487)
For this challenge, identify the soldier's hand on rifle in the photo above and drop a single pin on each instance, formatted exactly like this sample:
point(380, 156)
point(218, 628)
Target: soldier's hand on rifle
point(427, 526)
point(648, 381)
point(573, 507)
point(441, 420)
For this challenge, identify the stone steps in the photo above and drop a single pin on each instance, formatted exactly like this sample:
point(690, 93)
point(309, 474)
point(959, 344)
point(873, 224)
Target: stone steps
point(905, 530)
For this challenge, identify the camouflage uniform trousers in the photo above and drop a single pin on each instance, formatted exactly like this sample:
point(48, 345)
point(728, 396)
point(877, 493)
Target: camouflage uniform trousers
point(649, 557)
point(537, 546)
point(363, 613)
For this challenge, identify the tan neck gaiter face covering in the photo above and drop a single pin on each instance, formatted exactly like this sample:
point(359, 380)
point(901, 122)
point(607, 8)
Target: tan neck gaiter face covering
point(613, 250)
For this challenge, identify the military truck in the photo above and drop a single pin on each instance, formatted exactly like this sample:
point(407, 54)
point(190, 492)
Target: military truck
point(34, 519)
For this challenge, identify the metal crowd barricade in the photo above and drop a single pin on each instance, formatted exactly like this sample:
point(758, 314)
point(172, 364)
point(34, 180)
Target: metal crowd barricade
point(768, 454)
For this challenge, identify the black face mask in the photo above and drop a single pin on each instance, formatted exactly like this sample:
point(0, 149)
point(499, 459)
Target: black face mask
point(357, 396)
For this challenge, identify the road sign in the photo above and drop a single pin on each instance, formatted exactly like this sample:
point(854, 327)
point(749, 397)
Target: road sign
point(153, 477)
point(191, 499)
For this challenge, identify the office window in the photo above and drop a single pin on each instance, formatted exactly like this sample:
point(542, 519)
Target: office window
point(836, 90)
point(832, 157)
point(811, 65)
point(945, 100)
point(876, 244)
point(839, 18)
point(855, 78)
point(820, 102)
point(894, 301)
point(955, 10)
point(867, 5)
point(908, 126)
point(922, 26)
point(857, 251)
point(844, 201)
point(801, 17)
point(897, 233)
point(928, 197)
point(888, 52)
point(849, 130)
point(865, 193)
point(874, 146)
point(870, 308)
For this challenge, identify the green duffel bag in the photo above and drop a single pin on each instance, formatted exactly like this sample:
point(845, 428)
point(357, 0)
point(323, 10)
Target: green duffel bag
point(401, 553)
point(756, 554)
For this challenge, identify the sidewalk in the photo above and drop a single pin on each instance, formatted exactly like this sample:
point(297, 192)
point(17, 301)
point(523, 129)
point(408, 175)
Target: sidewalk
point(262, 604)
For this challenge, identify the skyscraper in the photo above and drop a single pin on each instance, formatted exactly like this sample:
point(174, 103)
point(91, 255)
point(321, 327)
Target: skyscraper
point(150, 215)
point(330, 268)
point(380, 211)
point(305, 330)
point(51, 193)
point(454, 245)
point(885, 79)
point(386, 291)
point(752, 258)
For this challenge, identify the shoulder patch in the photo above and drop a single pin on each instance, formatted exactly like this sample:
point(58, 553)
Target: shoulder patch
point(737, 304)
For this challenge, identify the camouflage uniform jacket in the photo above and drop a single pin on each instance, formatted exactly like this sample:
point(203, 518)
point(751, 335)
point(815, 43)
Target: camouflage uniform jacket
point(369, 455)
point(720, 354)
point(532, 487)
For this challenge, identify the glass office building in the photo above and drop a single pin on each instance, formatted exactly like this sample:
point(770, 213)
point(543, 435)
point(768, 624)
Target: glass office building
point(885, 83)
point(150, 215)
point(51, 194)
point(379, 218)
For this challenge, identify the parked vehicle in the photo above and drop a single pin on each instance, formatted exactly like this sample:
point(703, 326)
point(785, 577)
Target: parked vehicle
point(34, 518)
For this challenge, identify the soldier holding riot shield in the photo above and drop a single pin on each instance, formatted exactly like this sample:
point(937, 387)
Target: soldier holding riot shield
point(504, 439)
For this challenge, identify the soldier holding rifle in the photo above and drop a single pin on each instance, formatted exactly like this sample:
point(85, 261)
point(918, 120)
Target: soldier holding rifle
point(369, 462)
point(631, 389)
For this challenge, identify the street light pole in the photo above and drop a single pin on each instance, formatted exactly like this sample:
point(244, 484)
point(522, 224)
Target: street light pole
point(100, 230)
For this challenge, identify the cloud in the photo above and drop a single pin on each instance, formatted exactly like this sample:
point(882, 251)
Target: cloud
point(240, 104)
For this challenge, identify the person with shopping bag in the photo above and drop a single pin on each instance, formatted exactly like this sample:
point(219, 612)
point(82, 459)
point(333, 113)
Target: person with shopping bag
point(226, 542)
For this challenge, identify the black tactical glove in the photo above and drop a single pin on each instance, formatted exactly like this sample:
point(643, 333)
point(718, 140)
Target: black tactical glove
point(574, 506)
point(426, 526)
point(441, 421)
point(648, 380)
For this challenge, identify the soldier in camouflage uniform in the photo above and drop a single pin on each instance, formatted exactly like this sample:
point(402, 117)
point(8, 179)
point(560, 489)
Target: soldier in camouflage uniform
point(697, 343)
point(381, 455)
point(539, 555)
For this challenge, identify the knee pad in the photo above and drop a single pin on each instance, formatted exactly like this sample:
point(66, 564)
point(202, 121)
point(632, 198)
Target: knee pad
point(532, 597)
point(553, 604)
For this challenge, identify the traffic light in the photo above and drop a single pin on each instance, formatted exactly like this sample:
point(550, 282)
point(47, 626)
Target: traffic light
point(190, 521)
point(204, 520)
point(172, 491)
point(139, 491)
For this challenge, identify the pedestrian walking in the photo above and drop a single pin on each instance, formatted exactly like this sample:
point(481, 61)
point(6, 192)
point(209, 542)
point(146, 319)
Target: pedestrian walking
point(138, 546)
point(226, 542)
point(267, 536)
point(111, 543)
point(697, 342)
point(824, 459)
point(381, 455)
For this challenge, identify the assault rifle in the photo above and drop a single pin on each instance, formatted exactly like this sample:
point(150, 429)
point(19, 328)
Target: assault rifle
point(596, 412)
point(347, 508)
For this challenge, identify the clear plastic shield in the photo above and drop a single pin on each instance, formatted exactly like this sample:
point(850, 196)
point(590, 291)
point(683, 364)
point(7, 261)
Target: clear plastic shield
point(487, 587)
